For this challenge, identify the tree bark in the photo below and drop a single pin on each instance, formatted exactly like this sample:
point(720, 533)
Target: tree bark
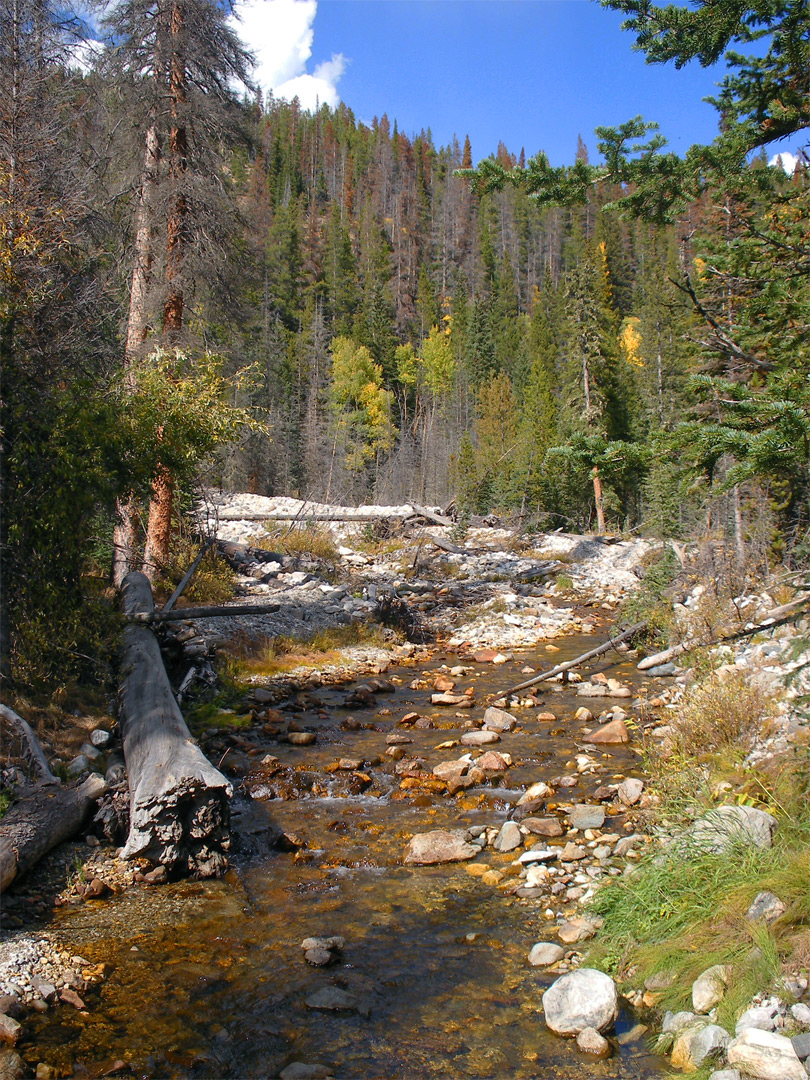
point(179, 809)
point(597, 495)
point(125, 533)
point(46, 815)
point(159, 531)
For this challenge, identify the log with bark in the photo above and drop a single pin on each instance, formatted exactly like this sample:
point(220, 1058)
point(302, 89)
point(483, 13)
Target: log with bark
point(46, 815)
point(179, 803)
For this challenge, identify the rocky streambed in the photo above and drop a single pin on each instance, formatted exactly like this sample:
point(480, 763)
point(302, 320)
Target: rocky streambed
point(412, 850)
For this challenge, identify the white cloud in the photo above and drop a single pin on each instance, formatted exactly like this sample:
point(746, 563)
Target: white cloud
point(280, 34)
point(787, 160)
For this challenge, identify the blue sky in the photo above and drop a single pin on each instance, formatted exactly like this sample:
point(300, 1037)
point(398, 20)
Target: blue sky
point(532, 73)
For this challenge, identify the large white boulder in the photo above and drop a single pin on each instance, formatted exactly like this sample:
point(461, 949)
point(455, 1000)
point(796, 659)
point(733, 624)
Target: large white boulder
point(765, 1055)
point(584, 998)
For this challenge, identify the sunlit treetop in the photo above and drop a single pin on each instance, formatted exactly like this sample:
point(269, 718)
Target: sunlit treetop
point(764, 97)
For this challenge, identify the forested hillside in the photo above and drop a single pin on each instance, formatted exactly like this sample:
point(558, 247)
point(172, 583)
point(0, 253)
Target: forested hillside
point(199, 288)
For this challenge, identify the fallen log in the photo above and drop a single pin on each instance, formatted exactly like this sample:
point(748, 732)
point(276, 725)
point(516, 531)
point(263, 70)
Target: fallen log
point(236, 553)
point(179, 808)
point(775, 617)
point(590, 655)
point(431, 515)
point(35, 751)
point(217, 611)
point(445, 545)
point(46, 815)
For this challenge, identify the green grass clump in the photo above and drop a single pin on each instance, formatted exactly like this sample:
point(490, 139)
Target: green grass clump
point(680, 911)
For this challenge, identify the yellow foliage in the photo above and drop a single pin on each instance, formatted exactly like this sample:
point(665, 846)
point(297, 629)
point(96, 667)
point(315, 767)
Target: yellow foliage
point(630, 341)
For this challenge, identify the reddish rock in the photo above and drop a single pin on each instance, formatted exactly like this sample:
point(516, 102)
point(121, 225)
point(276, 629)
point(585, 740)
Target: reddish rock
point(70, 997)
point(611, 734)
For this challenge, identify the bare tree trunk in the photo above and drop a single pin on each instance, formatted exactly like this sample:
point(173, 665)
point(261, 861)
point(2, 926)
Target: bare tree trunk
point(597, 494)
point(125, 533)
point(158, 533)
point(156, 552)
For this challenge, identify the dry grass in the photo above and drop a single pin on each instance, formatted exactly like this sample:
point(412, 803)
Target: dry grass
point(278, 655)
point(213, 581)
point(722, 712)
point(308, 538)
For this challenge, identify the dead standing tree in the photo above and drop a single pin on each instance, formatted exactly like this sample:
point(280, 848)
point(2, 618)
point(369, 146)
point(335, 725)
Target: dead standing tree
point(175, 61)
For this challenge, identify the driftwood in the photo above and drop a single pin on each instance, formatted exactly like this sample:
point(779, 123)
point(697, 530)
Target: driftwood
point(214, 612)
point(430, 515)
point(179, 809)
point(606, 647)
point(238, 553)
point(775, 617)
point(46, 815)
point(668, 654)
point(35, 751)
point(445, 545)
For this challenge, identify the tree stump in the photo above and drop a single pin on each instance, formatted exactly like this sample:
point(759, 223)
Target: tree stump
point(179, 803)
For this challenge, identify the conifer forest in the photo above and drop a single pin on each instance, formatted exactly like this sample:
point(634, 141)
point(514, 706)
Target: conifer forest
point(204, 287)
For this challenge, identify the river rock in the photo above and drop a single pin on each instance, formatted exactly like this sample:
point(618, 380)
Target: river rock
point(480, 738)
point(573, 853)
point(459, 700)
point(535, 793)
point(766, 1056)
point(758, 1016)
point(726, 1074)
point(301, 738)
point(12, 1066)
point(720, 829)
point(630, 791)
point(801, 1014)
point(493, 762)
point(543, 826)
point(331, 998)
point(319, 957)
point(509, 837)
point(10, 1030)
point(709, 987)
point(585, 816)
point(498, 719)
point(611, 734)
point(584, 998)
point(579, 928)
point(545, 953)
point(589, 1041)
point(767, 906)
point(440, 846)
point(801, 1044)
point(303, 1070)
point(696, 1043)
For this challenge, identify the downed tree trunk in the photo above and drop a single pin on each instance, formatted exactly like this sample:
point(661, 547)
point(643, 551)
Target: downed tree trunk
point(775, 617)
point(35, 751)
point(179, 809)
point(579, 660)
point(46, 815)
point(216, 611)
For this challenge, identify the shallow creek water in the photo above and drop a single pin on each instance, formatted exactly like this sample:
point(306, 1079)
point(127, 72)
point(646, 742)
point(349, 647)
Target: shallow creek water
point(210, 980)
